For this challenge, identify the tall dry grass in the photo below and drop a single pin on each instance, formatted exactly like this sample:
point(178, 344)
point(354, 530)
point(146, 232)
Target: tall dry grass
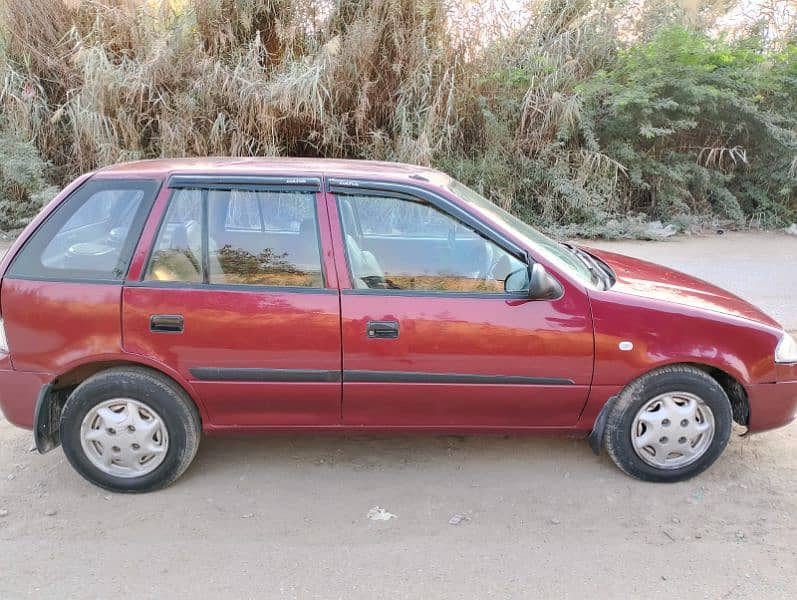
point(488, 91)
point(94, 83)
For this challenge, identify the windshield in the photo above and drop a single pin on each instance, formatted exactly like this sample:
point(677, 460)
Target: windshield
point(555, 252)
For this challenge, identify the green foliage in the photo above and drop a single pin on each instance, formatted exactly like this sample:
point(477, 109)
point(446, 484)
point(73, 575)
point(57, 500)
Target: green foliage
point(23, 189)
point(701, 125)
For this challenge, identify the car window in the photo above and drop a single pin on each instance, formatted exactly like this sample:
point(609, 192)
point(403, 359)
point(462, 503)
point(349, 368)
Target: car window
point(418, 247)
point(177, 253)
point(554, 251)
point(402, 219)
point(264, 210)
point(286, 211)
point(242, 212)
point(254, 237)
point(91, 235)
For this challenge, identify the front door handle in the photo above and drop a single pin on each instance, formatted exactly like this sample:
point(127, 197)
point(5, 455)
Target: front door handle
point(166, 323)
point(386, 330)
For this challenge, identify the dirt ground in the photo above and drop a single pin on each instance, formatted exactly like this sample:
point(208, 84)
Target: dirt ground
point(285, 516)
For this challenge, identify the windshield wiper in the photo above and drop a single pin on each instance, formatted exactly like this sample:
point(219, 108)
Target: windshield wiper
point(594, 265)
point(581, 255)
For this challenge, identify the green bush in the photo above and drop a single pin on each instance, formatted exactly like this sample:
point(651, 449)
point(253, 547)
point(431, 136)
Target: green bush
point(700, 125)
point(23, 188)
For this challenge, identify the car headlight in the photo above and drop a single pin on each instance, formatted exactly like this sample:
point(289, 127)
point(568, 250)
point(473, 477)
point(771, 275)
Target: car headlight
point(786, 351)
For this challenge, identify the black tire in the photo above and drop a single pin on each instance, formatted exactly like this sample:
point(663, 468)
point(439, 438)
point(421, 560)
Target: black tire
point(169, 400)
point(681, 378)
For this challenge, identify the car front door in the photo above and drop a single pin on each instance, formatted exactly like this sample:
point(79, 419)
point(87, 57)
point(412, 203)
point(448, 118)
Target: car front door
point(430, 337)
point(232, 292)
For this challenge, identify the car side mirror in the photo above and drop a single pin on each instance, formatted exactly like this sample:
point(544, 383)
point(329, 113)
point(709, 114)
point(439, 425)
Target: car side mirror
point(535, 281)
point(517, 281)
point(543, 285)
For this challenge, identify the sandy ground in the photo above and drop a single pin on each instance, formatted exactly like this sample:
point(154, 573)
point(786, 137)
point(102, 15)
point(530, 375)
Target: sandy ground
point(285, 516)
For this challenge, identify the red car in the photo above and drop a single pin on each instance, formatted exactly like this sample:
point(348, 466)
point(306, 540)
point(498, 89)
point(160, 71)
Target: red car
point(153, 301)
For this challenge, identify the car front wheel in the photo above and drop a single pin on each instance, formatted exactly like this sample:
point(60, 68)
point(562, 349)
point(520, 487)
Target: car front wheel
point(669, 425)
point(130, 430)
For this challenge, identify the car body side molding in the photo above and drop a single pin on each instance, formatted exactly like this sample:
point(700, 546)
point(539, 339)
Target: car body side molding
point(249, 374)
point(419, 377)
point(311, 375)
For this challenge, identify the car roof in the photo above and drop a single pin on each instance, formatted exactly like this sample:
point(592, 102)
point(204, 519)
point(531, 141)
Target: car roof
point(163, 167)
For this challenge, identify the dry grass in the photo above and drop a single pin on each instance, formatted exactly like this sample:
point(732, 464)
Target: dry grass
point(119, 80)
point(99, 82)
point(490, 95)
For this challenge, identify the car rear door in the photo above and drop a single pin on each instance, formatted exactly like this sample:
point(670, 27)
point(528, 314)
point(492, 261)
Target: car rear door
point(232, 289)
point(430, 338)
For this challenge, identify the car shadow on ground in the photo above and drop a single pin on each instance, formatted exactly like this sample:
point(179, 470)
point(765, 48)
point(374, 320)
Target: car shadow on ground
point(325, 462)
point(222, 456)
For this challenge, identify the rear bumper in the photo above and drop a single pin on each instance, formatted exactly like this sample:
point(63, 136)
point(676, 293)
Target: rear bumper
point(772, 405)
point(18, 393)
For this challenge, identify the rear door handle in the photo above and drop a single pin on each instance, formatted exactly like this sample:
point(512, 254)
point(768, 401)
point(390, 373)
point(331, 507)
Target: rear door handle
point(386, 330)
point(166, 323)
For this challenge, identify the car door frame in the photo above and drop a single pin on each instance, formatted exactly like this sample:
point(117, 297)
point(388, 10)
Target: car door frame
point(413, 193)
point(145, 247)
point(335, 187)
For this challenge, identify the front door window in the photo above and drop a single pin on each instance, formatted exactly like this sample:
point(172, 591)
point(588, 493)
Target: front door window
point(401, 244)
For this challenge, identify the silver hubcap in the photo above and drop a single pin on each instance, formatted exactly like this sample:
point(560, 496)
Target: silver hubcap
point(672, 430)
point(124, 437)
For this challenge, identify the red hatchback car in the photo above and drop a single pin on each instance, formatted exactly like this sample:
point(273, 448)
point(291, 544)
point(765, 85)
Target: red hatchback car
point(154, 300)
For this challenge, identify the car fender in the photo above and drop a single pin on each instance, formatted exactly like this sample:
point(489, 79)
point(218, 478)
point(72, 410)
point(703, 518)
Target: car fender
point(634, 335)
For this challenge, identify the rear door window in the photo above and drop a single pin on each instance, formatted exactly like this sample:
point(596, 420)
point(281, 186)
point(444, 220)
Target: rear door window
point(91, 235)
point(239, 237)
point(177, 255)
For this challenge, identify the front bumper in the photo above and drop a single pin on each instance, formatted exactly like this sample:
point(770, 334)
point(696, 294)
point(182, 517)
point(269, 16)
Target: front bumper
point(772, 405)
point(18, 393)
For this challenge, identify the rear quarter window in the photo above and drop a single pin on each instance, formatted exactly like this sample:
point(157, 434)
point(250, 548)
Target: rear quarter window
point(91, 235)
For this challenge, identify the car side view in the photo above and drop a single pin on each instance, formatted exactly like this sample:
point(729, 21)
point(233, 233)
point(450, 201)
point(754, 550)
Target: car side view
point(154, 301)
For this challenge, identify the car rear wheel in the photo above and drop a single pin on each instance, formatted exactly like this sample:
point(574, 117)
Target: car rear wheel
point(669, 425)
point(130, 430)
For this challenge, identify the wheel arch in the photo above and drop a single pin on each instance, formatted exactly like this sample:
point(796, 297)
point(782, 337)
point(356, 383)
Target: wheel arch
point(737, 395)
point(53, 396)
point(729, 379)
point(740, 402)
